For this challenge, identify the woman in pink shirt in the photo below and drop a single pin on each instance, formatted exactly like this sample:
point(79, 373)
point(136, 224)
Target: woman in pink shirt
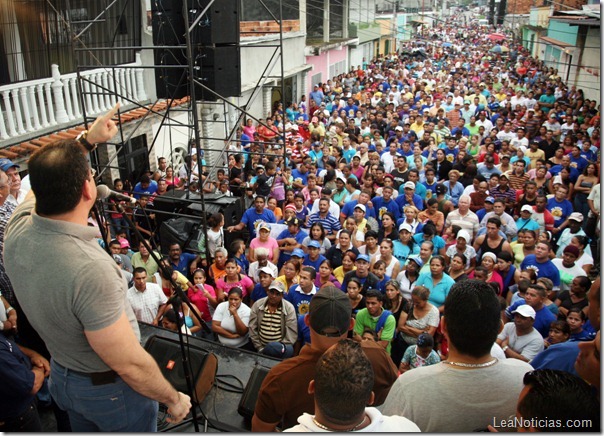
point(264, 240)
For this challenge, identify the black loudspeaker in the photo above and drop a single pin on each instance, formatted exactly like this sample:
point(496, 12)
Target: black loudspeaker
point(230, 207)
point(168, 28)
point(171, 74)
point(166, 5)
point(247, 404)
point(219, 25)
point(218, 68)
point(185, 231)
point(203, 364)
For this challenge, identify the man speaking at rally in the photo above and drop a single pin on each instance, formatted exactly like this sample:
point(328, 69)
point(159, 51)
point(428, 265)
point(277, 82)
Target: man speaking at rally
point(75, 297)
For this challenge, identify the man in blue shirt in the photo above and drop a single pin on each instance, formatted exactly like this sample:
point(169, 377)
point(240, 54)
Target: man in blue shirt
point(146, 186)
point(253, 216)
point(300, 175)
point(542, 265)
point(300, 295)
point(409, 197)
point(566, 163)
point(290, 239)
point(184, 263)
point(385, 203)
point(317, 95)
point(534, 297)
point(349, 207)
point(560, 208)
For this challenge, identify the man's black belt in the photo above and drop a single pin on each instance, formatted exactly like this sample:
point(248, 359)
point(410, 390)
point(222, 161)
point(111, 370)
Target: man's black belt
point(99, 378)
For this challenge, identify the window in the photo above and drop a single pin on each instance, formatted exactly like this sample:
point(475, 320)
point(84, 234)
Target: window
point(37, 33)
point(315, 79)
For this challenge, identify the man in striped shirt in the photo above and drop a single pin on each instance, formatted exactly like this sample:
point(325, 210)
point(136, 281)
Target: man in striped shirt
point(330, 223)
point(273, 324)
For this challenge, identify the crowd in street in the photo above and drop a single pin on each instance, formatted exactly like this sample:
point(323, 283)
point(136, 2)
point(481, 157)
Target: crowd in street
point(393, 183)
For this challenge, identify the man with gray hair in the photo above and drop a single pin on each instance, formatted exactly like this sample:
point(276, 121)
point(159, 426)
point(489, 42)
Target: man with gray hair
point(464, 217)
point(262, 256)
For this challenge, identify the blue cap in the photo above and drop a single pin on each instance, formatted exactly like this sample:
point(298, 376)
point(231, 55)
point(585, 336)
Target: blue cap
point(489, 199)
point(314, 244)
point(363, 257)
point(6, 164)
point(298, 253)
point(415, 258)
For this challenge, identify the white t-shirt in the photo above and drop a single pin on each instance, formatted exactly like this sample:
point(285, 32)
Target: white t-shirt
point(227, 322)
point(527, 345)
point(379, 423)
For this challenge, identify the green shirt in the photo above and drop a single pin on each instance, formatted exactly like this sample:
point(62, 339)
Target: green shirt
point(364, 320)
point(150, 265)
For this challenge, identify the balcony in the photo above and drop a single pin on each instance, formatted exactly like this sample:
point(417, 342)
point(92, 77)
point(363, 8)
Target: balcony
point(36, 107)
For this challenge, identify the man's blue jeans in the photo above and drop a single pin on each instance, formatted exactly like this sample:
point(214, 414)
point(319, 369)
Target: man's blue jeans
point(110, 407)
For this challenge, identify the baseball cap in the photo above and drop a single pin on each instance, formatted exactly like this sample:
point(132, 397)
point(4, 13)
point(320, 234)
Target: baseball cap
point(502, 175)
point(298, 253)
point(415, 258)
point(314, 244)
point(342, 178)
point(267, 270)
point(6, 164)
point(277, 286)
point(489, 200)
point(264, 225)
point(124, 243)
point(398, 128)
point(118, 259)
point(361, 206)
point(405, 226)
point(526, 208)
point(409, 184)
point(526, 311)
point(425, 340)
point(464, 234)
point(329, 312)
point(576, 216)
point(363, 257)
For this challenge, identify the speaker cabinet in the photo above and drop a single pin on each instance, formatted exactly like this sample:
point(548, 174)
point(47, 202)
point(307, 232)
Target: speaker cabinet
point(218, 68)
point(219, 25)
point(247, 404)
point(166, 353)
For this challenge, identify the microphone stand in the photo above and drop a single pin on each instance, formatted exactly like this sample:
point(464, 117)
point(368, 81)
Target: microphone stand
point(180, 294)
point(102, 228)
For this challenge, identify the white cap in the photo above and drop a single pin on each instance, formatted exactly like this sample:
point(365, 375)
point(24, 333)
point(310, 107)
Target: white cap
point(576, 216)
point(491, 255)
point(526, 311)
point(362, 207)
point(267, 270)
point(526, 208)
point(465, 235)
point(405, 226)
point(398, 128)
point(409, 184)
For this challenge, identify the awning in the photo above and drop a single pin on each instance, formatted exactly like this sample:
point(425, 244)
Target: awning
point(553, 41)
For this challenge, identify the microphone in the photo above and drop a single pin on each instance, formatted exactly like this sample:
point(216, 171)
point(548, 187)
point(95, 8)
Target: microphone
point(103, 192)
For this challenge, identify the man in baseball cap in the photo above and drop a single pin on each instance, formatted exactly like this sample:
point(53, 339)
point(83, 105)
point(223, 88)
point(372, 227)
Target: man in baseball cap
point(519, 339)
point(284, 395)
point(575, 220)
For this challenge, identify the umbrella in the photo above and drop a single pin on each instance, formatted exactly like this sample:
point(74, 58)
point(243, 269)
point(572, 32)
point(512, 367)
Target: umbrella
point(496, 36)
point(447, 44)
point(499, 49)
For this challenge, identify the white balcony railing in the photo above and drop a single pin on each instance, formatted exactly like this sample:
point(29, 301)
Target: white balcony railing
point(35, 105)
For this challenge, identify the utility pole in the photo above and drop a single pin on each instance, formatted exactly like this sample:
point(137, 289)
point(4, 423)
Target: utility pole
point(395, 26)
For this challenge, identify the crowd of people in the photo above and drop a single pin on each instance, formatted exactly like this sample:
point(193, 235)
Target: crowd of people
point(383, 191)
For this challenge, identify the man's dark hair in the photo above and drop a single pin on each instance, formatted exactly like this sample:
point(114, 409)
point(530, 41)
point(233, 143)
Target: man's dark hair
point(561, 396)
point(139, 270)
point(374, 293)
point(494, 220)
point(145, 179)
point(311, 271)
point(114, 242)
point(344, 371)
point(57, 175)
point(472, 317)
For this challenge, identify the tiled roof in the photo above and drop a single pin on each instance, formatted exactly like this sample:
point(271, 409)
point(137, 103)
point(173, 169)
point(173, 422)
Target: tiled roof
point(23, 150)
